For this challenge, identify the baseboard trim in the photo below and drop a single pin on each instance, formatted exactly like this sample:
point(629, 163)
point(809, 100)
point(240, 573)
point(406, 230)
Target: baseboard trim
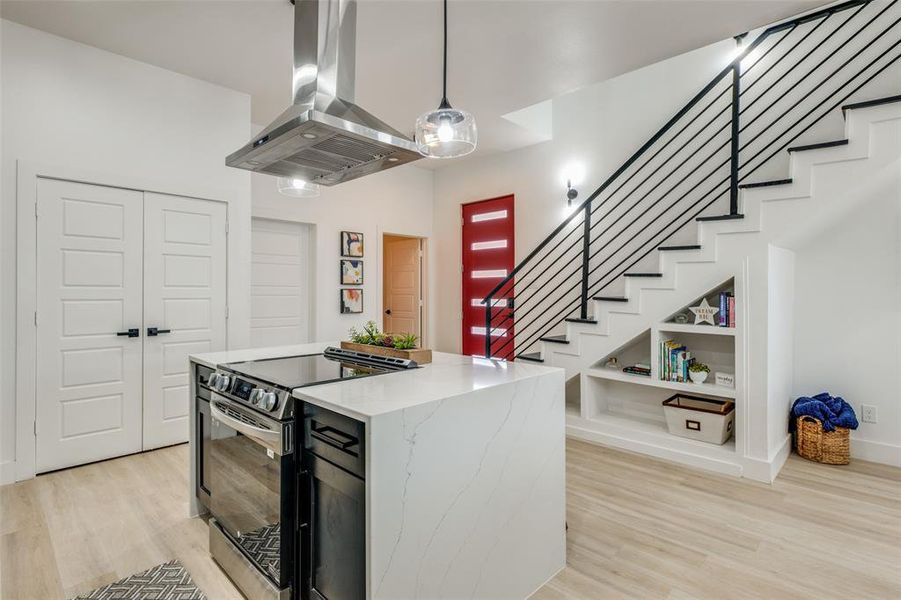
point(654, 451)
point(766, 470)
point(877, 452)
point(7, 472)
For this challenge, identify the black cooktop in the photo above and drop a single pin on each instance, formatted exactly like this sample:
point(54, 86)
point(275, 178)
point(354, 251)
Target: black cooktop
point(311, 369)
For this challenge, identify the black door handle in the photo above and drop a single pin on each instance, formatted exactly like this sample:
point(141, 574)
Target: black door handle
point(332, 437)
point(153, 331)
point(388, 312)
point(130, 333)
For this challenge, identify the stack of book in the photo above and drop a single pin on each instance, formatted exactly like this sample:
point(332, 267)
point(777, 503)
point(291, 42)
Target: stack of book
point(638, 369)
point(674, 361)
point(726, 316)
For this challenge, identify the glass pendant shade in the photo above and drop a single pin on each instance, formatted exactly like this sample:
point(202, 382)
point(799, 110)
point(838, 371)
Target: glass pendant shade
point(297, 188)
point(446, 133)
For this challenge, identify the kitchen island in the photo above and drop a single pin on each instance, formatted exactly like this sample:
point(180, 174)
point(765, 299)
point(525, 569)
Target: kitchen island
point(464, 472)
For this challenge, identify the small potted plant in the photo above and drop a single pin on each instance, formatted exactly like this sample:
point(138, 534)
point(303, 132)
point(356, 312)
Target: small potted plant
point(698, 372)
point(399, 345)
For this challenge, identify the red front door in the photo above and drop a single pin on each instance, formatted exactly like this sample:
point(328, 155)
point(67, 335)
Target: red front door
point(487, 259)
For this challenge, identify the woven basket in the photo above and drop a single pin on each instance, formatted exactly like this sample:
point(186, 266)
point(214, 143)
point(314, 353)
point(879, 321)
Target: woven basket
point(829, 447)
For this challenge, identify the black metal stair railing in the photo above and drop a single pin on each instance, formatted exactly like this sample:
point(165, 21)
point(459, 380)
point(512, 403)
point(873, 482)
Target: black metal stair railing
point(800, 71)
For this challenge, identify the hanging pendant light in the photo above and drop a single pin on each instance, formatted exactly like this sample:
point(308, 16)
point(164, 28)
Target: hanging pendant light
point(297, 188)
point(446, 132)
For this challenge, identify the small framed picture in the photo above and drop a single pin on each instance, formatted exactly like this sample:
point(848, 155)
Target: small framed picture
point(351, 272)
point(351, 301)
point(352, 244)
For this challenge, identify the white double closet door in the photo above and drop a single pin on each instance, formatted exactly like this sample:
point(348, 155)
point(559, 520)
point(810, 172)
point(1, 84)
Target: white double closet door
point(110, 260)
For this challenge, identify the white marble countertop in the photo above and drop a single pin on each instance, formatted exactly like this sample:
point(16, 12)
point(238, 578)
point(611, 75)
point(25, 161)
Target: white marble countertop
point(448, 375)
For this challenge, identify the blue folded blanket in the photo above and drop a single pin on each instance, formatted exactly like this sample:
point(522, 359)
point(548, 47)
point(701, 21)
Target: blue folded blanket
point(831, 411)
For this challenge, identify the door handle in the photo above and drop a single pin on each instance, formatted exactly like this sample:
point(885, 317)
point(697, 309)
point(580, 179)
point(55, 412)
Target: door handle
point(153, 331)
point(130, 333)
point(328, 435)
point(388, 312)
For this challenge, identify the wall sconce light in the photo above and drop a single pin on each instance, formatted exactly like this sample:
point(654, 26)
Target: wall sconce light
point(571, 193)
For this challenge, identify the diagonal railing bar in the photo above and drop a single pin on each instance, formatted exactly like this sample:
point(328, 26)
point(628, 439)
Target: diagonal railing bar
point(566, 268)
point(784, 55)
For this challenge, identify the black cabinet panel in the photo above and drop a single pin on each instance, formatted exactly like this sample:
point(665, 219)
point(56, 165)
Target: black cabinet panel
point(202, 448)
point(203, 426)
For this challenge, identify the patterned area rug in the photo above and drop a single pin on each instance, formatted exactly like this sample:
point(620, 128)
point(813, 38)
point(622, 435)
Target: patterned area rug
point(168, 581)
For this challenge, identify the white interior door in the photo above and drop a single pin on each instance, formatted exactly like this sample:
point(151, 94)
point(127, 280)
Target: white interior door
point(402, 286)
point(185, 300)
point(280, 293)
point(89, 288)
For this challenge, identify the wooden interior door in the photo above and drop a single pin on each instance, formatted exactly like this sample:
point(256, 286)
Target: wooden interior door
point(488, 256)
point(402, 285)
point(280, 283)
point(89, 291)
point(184, 300)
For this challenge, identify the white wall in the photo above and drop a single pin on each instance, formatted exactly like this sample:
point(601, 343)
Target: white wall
point(120, 121)
point(597, 128)
point(848, 320)
point(397, 201)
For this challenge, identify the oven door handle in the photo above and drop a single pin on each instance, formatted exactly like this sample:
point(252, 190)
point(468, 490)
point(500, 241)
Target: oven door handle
point(268, 438)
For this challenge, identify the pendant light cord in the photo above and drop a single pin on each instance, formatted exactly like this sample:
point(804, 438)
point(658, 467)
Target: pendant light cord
point(444, 102)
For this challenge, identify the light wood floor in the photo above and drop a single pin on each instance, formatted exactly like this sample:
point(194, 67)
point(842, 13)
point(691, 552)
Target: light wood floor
point(638, 528)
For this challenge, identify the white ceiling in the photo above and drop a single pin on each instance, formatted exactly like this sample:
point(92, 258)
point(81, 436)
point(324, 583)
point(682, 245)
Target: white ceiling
point(504, 54)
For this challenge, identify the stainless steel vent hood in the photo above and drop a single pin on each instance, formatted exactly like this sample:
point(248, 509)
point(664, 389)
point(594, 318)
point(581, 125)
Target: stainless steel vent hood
point(324, 138)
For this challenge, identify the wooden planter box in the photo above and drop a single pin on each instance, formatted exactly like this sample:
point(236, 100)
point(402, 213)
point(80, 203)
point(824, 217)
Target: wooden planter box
point(420, 355)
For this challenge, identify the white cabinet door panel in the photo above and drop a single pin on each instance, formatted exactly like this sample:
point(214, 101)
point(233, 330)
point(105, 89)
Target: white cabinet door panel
point(280, 294)
point(185, 293)
point(89, 288)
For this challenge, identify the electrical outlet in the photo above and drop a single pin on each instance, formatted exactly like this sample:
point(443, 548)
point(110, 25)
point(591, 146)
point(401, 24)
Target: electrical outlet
point(868, 413)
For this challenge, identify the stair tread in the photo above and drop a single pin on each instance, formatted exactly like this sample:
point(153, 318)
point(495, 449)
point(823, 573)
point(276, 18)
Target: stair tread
point(581, 320)
point(533, 356)
point(831, 144)
point(611, 298)
point(688, 247)
point(728, 217)
point(644, 274)
point(557, 339)
point(867, 103)
point(759, 184)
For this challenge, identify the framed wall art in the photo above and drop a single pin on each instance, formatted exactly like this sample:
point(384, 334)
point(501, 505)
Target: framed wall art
point(351, 244)
point(351, 272)
point(351, 301)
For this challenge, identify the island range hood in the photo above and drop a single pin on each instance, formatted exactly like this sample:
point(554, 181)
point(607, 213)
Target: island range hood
point(324, 138)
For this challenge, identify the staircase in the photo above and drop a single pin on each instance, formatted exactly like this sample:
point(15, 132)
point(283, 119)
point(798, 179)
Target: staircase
point(767, 153)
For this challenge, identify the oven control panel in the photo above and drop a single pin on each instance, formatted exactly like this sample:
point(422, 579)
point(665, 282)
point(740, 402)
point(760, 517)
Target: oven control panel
point(262, 397)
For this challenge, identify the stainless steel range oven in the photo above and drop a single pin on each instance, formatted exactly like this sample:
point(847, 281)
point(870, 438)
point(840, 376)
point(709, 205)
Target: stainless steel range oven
point(252, 466)
point(265, 494)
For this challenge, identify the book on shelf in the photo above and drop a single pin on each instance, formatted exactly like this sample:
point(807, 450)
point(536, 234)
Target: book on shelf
point(638, 369)
point(674, 361)
point(726, 317)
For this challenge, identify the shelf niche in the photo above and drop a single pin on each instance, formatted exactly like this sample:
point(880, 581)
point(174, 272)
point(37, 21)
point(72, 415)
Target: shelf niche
point(713, 299)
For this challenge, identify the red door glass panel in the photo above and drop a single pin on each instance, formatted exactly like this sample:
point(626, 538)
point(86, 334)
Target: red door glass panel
point(488, 254)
